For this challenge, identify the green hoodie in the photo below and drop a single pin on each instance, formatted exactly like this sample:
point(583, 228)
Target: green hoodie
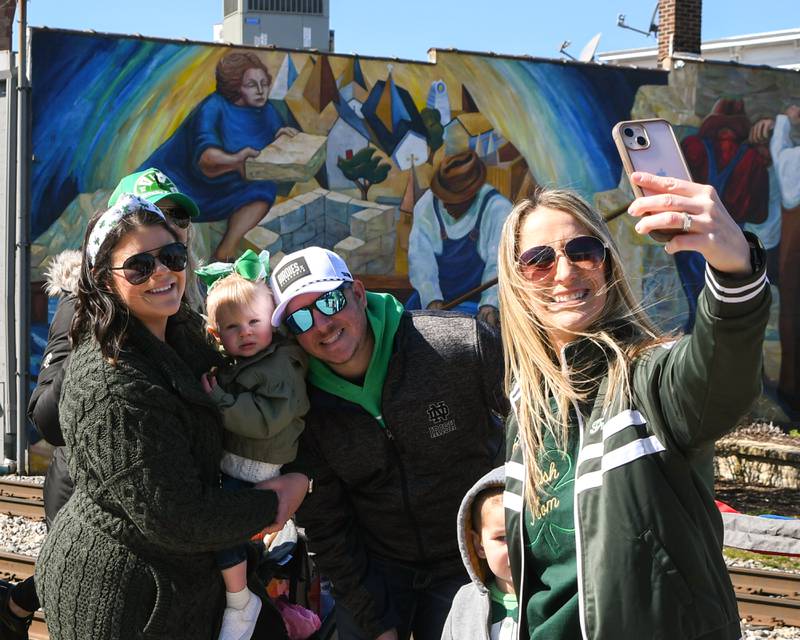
point(383, 313)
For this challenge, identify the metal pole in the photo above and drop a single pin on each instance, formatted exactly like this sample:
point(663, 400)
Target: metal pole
point(9, 338)
point(23, 246)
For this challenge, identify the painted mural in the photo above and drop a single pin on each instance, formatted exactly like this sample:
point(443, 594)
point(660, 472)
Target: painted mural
point(408, 169)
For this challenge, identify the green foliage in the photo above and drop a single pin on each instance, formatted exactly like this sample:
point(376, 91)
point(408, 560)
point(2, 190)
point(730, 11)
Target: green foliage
point(433, 125)
point(794, 433)
point(363, 166)
point(364, 169)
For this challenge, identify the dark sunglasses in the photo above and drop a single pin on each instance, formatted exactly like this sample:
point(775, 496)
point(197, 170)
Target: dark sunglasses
point(585, 252)
point(139, 267)
point(177, 216)
point(329, 304)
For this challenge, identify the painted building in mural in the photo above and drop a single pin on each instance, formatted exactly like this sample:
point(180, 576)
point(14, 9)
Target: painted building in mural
point(407, 169)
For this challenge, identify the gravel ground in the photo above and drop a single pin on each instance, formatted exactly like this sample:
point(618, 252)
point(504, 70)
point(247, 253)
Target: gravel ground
point(778, 633)
point(763, 431)
point(754, 564)
point(20, 535)
point(31, 479)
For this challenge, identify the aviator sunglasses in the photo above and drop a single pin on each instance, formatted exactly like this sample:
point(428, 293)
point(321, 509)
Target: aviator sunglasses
point(139, 267)
point(585, 252)
point(328, 304)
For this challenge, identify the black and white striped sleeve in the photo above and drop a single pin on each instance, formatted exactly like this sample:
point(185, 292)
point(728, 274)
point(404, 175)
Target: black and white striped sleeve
point(734, 296)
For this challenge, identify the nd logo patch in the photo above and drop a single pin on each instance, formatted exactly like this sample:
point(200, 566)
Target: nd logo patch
point(438, 412)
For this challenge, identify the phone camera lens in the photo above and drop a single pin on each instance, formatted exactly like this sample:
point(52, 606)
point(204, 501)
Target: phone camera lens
point(641, 140)
point(628, 132)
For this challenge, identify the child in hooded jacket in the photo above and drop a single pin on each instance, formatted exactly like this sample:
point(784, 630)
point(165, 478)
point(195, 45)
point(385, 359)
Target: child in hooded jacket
point(485, 608)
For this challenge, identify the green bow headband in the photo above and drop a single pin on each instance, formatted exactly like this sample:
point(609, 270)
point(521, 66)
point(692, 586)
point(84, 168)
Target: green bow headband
point(250, 265)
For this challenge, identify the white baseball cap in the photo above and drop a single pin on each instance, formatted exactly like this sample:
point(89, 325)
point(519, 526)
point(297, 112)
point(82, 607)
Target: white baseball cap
point(310, 270)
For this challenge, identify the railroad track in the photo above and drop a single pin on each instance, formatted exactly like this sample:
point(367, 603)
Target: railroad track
point(18, 489)
point(21, 499)
point(767, 598)
point(15, 567)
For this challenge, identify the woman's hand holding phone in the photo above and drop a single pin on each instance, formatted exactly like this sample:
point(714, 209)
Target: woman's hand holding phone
point(697, 212)
point(650, 146)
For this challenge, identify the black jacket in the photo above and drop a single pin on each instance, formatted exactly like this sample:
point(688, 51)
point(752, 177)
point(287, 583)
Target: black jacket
point(395, 493)
point(43, 405)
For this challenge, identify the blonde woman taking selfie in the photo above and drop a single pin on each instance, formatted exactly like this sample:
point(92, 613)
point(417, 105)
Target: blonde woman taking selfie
point(611, 524)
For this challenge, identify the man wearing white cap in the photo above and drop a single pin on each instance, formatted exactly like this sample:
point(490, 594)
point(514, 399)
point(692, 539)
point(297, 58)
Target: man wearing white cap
point(403, 421)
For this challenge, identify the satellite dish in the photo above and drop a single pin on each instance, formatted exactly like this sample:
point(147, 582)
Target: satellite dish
point(588, 51)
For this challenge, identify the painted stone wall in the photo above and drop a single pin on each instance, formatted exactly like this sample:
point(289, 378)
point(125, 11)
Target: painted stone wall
point(760, 98)
point(375, 132)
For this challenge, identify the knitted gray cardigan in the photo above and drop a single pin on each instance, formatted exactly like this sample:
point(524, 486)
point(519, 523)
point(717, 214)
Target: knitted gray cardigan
point(131, 554)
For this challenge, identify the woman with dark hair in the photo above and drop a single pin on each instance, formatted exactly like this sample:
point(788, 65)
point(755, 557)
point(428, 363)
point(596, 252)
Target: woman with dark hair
point(611, 524)
point(131, 553)
point(18, 602)
point(205, 156)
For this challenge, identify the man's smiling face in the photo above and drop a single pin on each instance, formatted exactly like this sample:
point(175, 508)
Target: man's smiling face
point(344, 340)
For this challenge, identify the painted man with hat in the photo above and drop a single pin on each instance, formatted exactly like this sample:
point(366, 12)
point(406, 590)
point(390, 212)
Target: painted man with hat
point(720, 156)
point(452, 248)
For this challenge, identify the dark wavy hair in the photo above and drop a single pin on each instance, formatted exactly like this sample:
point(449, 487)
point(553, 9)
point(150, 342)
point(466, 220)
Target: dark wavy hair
point(230, 71)
point(99, 311)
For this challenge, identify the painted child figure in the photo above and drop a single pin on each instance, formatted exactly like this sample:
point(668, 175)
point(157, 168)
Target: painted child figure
point(261, 392)
point(485, 608)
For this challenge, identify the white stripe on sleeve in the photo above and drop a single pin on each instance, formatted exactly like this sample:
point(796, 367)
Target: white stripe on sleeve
point(512, 501)
point(734, 294)
point(515, 470)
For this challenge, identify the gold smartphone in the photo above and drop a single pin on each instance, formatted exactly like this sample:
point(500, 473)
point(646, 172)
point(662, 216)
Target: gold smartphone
point(651, 146)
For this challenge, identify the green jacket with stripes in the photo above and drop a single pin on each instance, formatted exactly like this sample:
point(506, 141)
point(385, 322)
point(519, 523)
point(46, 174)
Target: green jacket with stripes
point(648, 535)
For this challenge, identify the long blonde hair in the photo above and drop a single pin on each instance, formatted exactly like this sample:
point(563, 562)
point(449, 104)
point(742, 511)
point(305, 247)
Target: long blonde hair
point(533, 373)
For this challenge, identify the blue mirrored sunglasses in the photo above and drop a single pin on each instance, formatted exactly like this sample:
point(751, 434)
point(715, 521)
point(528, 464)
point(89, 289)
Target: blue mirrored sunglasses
point(329, 304)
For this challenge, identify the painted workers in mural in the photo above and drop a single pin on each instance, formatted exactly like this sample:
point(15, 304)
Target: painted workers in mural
point(769, 231)
point(452, 248)
point(720, 156)
point(782, 135)
point(785, 151)
point(403, 422)
point(206, 155)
